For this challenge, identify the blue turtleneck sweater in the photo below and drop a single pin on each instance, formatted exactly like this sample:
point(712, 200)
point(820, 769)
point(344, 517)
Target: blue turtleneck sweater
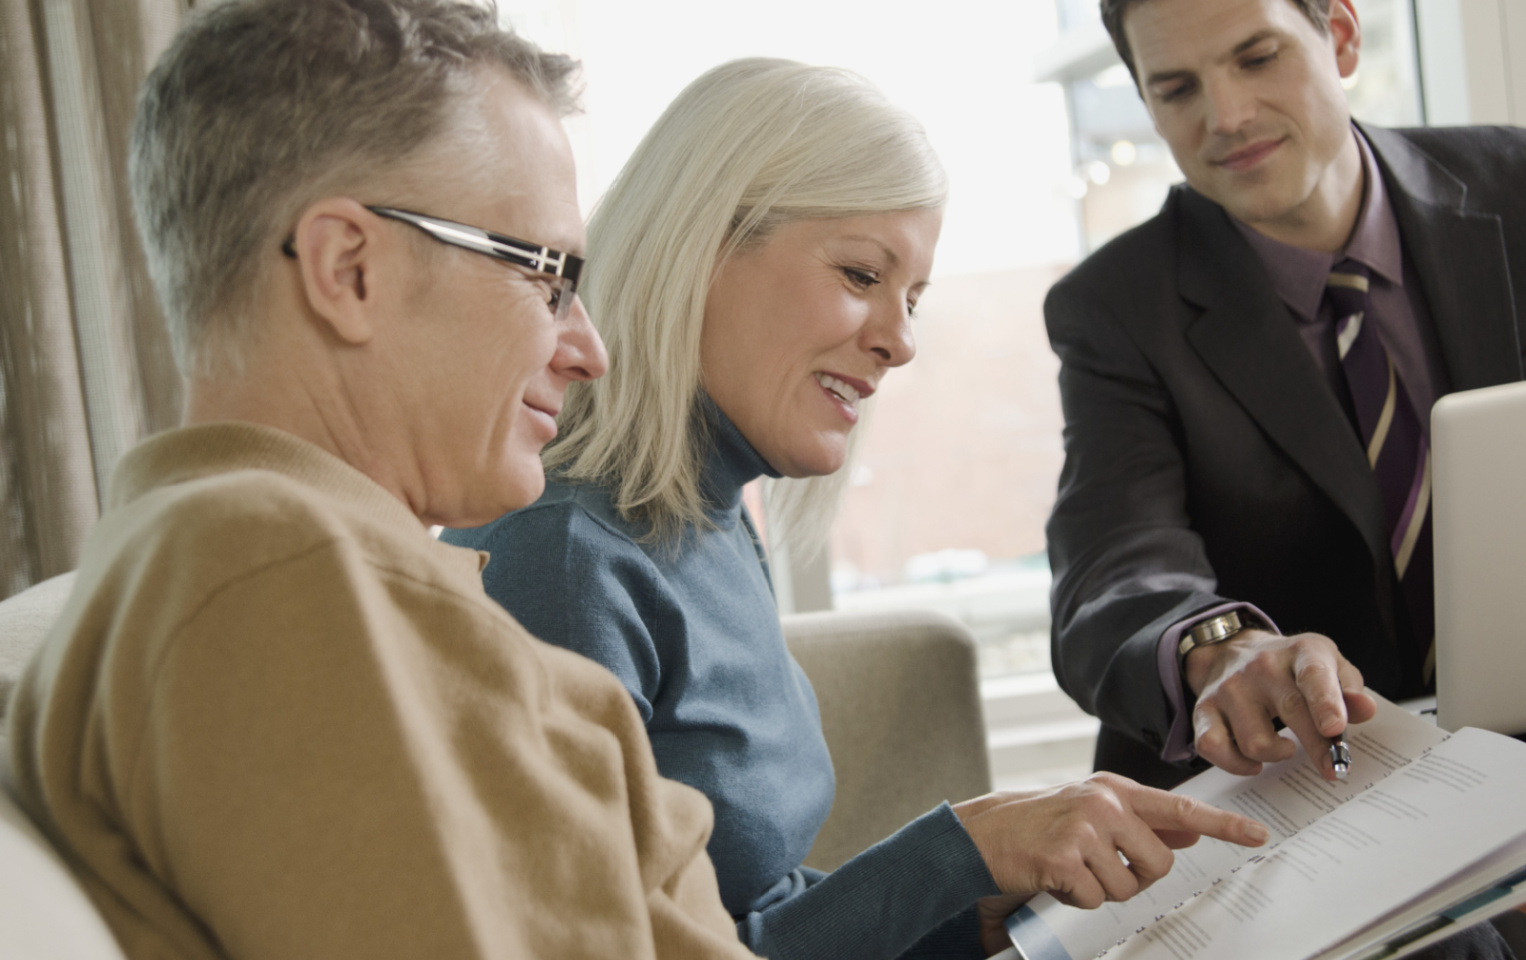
point(693, 632)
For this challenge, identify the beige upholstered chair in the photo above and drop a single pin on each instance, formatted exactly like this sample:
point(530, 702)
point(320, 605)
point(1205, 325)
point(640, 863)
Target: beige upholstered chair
point(44, 913)
point(24, 621)
point(900, 705)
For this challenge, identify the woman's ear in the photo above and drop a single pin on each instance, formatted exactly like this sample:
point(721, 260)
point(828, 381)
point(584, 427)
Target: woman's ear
point(340, 251)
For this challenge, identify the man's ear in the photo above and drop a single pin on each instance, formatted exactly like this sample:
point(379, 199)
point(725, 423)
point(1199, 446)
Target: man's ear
point(1346, 32)
point(340, 251)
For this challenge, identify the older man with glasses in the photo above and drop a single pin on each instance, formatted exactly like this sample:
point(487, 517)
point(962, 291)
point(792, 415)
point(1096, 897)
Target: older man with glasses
point(557, 270)
point(277, 718)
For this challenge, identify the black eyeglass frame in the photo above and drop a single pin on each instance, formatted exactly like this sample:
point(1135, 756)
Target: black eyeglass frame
point(564, 267)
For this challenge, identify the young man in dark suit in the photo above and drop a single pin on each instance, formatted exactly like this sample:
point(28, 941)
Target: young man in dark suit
point(1242, 530)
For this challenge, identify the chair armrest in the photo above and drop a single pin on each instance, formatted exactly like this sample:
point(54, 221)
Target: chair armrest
point(900, 707)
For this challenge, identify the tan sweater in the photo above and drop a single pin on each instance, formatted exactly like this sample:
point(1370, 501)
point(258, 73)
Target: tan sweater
point(278, 720)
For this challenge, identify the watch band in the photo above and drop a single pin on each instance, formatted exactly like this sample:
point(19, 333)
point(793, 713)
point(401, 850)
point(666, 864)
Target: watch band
point(1210, 631)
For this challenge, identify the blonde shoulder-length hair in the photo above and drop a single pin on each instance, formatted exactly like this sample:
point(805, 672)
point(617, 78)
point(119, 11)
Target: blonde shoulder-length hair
point(746, 147)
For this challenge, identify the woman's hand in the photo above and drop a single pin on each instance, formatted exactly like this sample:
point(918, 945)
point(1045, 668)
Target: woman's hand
point(993, 913)
point(1103, 838)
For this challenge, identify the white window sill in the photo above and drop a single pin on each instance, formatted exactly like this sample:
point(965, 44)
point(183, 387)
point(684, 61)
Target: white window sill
point(1035, 733)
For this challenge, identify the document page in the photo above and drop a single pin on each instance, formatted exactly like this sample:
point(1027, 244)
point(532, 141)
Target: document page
point(1456, 903)
point(1430, 819)
point(1288, 797)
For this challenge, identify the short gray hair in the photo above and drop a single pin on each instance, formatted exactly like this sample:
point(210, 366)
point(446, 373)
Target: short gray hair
point(260, 107)
point(748, 146)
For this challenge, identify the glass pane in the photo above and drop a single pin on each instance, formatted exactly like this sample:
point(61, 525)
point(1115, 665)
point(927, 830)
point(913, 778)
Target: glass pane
point(1123, 168)
point(958, 474)
point(947, 506)
point(1386, 88)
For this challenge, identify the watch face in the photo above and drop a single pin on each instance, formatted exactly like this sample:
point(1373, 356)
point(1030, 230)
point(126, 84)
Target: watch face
point(1211, 631)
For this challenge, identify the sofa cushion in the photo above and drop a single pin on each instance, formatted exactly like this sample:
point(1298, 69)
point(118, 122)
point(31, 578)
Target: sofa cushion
point(44, 913)
point(24, 621)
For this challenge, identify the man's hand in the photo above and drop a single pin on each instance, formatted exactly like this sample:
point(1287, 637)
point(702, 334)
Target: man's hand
point(1104, 838)
point(1245, 683)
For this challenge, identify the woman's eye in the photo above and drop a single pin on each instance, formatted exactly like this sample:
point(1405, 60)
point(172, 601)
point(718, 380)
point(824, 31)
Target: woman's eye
point(862, 278)
point(911, 308)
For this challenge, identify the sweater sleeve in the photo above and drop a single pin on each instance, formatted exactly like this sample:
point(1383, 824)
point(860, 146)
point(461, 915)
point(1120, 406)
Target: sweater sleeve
point(347, 762)
point(908, 896)
point(913, 885)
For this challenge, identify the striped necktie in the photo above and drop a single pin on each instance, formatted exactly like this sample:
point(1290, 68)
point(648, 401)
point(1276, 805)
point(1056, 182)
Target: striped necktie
point(1397, 449)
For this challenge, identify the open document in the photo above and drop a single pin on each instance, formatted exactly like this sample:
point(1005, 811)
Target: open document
point(1426, 836)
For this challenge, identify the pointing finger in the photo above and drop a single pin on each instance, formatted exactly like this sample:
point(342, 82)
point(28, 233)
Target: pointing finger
point(1174, 811)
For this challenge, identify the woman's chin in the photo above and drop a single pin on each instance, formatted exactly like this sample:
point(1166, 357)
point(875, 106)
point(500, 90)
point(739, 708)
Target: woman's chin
point(811, 463)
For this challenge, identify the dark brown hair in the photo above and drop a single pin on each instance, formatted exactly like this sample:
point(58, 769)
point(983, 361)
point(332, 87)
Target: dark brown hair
point(1318, 12)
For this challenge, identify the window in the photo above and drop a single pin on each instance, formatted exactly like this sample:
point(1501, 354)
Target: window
point(1049, 154)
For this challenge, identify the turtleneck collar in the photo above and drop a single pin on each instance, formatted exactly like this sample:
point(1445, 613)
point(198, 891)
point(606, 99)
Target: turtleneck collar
point(730, 464)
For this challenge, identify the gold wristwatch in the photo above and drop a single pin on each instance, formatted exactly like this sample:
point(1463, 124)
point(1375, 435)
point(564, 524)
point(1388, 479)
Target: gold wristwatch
point(1211, 631)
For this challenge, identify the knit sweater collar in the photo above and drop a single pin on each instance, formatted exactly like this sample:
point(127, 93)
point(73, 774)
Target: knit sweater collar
point(731, 463)
point(187, 454)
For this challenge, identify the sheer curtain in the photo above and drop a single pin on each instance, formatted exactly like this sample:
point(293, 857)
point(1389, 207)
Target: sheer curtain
point(85, 366)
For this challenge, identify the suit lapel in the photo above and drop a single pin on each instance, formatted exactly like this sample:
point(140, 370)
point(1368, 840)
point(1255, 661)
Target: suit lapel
point(1246, 337)
point(1460, 259)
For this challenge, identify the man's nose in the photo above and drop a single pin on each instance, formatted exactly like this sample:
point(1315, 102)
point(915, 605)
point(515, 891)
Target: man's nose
point(580, 353)
point(1230, 106)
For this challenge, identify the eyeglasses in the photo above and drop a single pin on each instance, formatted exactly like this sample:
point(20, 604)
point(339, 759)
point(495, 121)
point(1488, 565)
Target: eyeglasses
point(560, 270)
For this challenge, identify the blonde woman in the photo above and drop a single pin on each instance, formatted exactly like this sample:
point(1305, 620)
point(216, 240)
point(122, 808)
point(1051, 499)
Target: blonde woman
point(754, 270)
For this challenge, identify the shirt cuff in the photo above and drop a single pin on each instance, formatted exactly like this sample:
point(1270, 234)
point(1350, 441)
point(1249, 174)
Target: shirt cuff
point(1179, 748)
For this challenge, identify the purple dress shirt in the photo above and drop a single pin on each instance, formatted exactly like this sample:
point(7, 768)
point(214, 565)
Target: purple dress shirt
point(1403, 324)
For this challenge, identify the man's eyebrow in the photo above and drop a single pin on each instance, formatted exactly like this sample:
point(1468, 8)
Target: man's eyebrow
point(1251, 41)
point(1166, 76)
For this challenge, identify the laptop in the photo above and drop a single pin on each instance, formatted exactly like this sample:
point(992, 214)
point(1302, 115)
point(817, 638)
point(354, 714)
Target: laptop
point(1478, 464)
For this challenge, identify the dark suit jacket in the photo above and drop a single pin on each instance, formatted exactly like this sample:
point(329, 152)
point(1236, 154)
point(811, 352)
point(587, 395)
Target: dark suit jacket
point(1207, 459)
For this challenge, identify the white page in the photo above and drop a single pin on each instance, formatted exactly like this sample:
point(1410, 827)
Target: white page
point(1457, 900)
point(1285, 796)
point(1446, 810)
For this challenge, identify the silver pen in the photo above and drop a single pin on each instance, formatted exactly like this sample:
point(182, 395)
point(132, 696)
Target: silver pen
point(1340, 756)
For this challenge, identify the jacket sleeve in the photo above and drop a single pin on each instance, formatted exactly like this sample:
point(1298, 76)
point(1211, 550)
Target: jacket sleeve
point(1127, 564)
